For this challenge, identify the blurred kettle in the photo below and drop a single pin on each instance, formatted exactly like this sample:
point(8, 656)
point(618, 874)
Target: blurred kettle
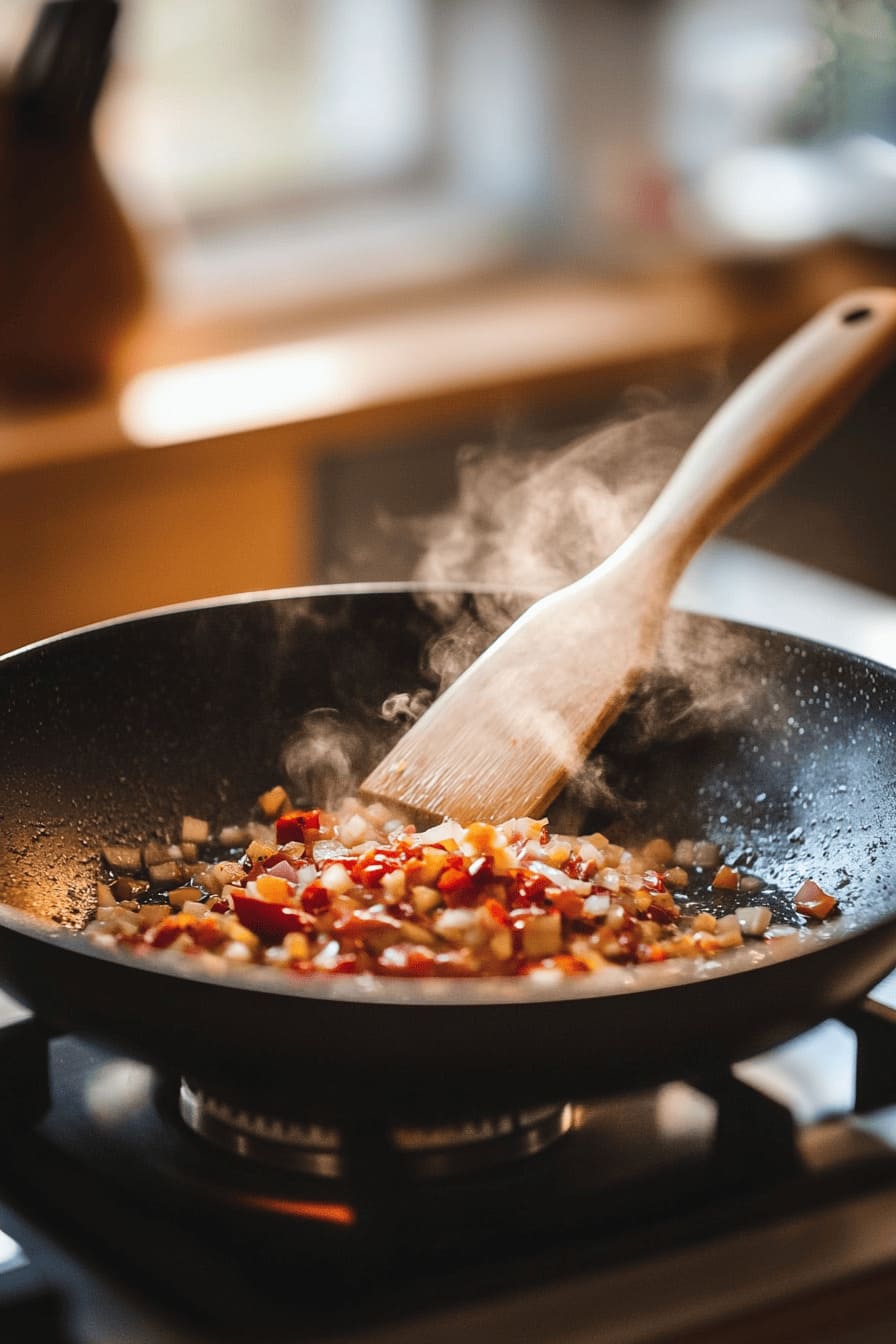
point(72, 281)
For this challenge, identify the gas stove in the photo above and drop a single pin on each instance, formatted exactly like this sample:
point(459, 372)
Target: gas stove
point(136, 1207)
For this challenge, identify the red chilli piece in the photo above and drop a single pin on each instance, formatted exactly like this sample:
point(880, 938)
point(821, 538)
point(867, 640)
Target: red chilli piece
point(813, 902)
point(659, 914)
point(568, 903)
point(370, 870)
point(164, 934)
point(529, 889)
point(294, 826)
point(581, 869)
point(497, 912)
point(347, 964)
point(203, 932)
point(315, 899)
point(271, 922)
point(271, 860)
point(206, 933)
point(458, 888)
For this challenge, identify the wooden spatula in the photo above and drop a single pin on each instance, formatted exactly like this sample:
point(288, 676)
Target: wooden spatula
point(504, 737)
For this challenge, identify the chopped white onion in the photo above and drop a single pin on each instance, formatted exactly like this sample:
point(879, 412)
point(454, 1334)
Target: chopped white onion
point(328, 849)
point(424, 899)
point(305, 876)
point(684, 853)
point(356, 829)
point(166, 872)
point(727, 932)
point(546, 975)
point(284, 870)
point(543, 935)
point(459, 926)
point(753, 919)
point(446, 830)
point(560, 879)
point(336, 879)
point(237, 952)
point(232, 836)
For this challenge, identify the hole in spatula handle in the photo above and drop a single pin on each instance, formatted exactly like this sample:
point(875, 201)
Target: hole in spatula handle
point(856, 315)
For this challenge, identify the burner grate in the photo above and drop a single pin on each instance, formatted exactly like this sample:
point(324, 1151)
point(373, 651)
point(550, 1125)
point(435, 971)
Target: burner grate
point(450, 1148)
point(874, 1024)
point(24, 1066)
point(112, 1168)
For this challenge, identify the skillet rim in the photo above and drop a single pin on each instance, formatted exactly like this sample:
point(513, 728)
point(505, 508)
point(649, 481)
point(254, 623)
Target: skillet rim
point(399, 586)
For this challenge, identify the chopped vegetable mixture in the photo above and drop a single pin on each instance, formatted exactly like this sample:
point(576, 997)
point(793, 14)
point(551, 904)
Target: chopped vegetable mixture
point(359, 891)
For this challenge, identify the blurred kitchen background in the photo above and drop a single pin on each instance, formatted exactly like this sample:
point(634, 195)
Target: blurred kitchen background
point(266, 269)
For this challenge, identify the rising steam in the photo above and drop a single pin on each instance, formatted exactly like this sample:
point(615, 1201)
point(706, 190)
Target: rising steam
point(525, 523)
point(542, 518)
point(532, 522)
point(323, 759)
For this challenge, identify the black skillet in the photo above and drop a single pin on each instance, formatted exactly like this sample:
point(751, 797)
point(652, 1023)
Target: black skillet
point(114, 732)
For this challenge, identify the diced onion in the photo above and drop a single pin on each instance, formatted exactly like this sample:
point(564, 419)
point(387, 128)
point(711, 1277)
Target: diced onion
point(123, 858)
point(232, 836)
point(727, 932)
point(194, 830)
point(335, 879)
point(753, 919)
point(283, 869)
point(361, 892)
point(543, 935)
point(560, 879)
point(273, 802)
point(446, 830)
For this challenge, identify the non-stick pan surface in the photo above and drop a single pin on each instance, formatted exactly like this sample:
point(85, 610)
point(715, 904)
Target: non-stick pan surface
point(116, 731)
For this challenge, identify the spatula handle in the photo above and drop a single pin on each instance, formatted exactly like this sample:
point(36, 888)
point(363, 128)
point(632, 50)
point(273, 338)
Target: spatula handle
point(781, 411)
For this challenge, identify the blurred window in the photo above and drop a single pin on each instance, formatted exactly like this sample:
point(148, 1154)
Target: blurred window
point(218, 106)
point(779, 118)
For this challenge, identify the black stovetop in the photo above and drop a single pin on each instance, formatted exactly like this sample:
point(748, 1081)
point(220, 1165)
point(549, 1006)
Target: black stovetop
point(131, 1227)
